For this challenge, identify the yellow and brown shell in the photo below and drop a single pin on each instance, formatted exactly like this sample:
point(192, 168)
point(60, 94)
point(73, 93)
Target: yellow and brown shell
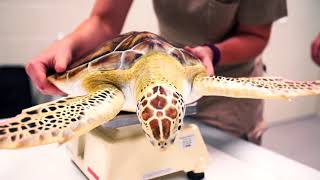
point(122, 52)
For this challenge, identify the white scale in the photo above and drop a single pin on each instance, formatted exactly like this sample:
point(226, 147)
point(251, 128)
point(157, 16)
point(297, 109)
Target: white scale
point(119, 150)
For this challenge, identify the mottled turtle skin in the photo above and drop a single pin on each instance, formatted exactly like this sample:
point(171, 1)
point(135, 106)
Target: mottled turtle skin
point(138, 72)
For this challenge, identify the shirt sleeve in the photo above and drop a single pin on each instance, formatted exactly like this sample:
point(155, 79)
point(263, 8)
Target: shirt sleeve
point(258, 12)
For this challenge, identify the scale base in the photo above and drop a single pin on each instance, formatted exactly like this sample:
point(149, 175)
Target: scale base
point(124, 153)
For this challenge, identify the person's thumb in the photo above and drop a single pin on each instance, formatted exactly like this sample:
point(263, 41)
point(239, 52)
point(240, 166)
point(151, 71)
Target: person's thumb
point(62, 60)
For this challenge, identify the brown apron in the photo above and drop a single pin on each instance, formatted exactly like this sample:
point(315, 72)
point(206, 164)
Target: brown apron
point(195, 22)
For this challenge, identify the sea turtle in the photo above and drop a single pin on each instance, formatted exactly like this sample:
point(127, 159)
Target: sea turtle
point(138, 72)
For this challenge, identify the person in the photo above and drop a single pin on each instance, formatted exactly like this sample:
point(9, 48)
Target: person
point(227, 33)
point(315, 49)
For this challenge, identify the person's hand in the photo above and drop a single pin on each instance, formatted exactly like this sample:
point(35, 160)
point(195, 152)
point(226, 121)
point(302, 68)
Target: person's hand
point(205, 54)
point(315, 49)
point(56, 57)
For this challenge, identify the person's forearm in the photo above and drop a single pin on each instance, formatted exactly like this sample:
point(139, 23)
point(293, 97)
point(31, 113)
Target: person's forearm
point(105, 22)
point(90, 34)
point(245, 45)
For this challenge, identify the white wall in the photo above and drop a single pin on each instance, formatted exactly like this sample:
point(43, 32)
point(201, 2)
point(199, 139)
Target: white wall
point(27, 28)
point(288, 55)
point(141, 17)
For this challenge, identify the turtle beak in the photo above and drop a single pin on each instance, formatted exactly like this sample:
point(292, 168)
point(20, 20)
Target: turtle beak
point(162, 145)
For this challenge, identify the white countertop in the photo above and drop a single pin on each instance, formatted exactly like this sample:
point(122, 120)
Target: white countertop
point(230, 158)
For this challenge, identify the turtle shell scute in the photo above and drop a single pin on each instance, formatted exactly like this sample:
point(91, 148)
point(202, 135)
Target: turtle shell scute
point(123, 51)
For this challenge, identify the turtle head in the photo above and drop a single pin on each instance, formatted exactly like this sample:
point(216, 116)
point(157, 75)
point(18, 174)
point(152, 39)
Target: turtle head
point(160, 111)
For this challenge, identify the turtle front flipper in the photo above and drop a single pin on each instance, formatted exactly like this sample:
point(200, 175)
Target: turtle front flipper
point(254, 87)
point(61, 120)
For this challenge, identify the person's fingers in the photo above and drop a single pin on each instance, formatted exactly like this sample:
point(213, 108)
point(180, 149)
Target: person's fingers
point(188, 48)
point(204, 57)
point(315, 50)
point(196, 51)
point(206, 60)
point(209, 66)
point(62, 60)
point(37, 72)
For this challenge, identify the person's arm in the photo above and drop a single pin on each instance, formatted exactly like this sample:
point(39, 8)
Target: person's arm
point(248, 42)
point(105, 21)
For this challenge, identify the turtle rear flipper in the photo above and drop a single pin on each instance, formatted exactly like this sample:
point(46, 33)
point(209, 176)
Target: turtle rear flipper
point(254, 87)
point(61, 120)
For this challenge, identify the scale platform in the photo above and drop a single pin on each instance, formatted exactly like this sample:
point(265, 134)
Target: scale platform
point(121, 151)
